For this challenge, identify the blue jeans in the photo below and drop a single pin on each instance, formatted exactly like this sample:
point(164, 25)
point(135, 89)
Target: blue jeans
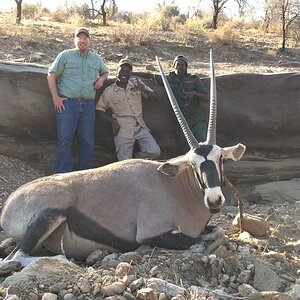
point(78, 117)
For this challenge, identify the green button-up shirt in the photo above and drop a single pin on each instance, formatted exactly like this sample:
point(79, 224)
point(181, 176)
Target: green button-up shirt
point(77, 74)
point(194, 112)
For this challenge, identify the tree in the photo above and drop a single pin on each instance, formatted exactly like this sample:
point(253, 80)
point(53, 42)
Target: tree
point(290, 12)
point(19, 11)
point(281, 14)
point(219, 5)
point(105, 7)
point(166, 13)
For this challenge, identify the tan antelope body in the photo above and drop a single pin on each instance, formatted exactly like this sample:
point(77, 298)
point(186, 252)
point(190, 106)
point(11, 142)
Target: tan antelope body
point(122, 205)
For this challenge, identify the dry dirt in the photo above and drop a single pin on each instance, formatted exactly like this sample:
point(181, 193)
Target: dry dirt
point(249, 52)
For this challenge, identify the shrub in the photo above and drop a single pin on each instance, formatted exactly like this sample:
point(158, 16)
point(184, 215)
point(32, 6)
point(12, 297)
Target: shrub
point(129, 35)
point(30, 11)
point(225, 34)
point(77, 20)
point(60, 15)
point(166, 12)
point(195, 25)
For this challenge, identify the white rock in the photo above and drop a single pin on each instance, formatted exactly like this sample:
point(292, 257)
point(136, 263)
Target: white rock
point(84, 285)
point(162, 286)
point(49, 296)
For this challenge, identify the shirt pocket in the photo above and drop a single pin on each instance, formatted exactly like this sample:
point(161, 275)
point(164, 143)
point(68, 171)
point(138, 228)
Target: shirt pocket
point(71, 69)
point(120, 104)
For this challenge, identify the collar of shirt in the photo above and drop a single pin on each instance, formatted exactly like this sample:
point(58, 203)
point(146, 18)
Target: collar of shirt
point(130, 85)
point(78, 52)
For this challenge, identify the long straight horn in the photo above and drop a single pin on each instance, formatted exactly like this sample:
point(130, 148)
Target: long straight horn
point(182, 122)
point(212, 125)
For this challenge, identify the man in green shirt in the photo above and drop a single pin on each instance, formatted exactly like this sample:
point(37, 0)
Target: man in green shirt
point(73, 79)
point(190, 94)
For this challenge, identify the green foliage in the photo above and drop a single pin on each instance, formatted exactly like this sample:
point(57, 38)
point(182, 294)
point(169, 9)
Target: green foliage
point(195, 25)
point(166, 15)
point(148, 21)
point(168, 11)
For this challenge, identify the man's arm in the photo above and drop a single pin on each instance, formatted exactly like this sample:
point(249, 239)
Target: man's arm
point(200, 92)
point(100, 81)
point(189, 96)
point(57, 100)
point(107, 117)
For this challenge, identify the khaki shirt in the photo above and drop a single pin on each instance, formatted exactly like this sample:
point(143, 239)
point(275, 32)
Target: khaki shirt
point(126, 107)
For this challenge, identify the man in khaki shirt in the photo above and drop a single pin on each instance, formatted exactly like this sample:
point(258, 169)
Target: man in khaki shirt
point(124, 98)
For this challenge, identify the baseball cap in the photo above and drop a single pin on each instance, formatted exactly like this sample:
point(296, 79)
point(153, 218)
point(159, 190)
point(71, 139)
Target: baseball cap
point(125, 61)
point(180, 57)
point(82, 30)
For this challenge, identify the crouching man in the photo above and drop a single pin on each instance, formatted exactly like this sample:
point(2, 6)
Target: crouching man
point(124, 98)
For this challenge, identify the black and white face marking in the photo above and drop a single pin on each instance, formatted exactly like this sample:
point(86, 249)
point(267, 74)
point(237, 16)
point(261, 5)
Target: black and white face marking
point(207, 163)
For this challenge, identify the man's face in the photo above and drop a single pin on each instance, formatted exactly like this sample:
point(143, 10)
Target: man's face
point(82, 42)
point(124, 73)
point(180, 68)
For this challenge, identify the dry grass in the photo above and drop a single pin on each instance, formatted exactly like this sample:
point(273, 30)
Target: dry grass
point(226, 34)
point(237, 48)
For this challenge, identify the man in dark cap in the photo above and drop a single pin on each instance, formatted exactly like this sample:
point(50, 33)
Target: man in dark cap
point(124, 99)
point(191, 95)
point(73, 79)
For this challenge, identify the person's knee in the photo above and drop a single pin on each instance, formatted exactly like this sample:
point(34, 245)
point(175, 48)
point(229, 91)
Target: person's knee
point(155, 151)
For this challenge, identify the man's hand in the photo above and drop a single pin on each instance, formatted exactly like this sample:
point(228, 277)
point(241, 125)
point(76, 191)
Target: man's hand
point(100, 81)
point(116, 127)
point(58, 103)
point(140, 85)
point(189, 96)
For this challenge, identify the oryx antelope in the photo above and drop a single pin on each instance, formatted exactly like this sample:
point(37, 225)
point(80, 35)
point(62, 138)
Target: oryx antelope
point(124, 204)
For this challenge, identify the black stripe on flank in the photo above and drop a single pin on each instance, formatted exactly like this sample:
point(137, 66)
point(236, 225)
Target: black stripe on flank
point(38, 227)
point(204, 150)
point(80, 224)
point(86, 228)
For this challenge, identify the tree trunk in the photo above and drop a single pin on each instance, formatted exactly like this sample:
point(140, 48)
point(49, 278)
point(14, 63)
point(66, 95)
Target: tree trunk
point(104, 22)
point(283, 40)
point(215, 20)
point(283, 30)
point(19, 11)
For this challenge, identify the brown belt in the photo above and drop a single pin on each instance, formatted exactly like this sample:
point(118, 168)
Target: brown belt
point(80, 99)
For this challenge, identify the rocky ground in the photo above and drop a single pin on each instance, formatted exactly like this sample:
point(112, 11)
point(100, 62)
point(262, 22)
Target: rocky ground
point(252, 265)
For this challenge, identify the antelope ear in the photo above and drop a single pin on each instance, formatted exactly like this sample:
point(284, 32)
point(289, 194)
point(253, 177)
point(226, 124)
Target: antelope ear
point(235, 152)
point(173, 166)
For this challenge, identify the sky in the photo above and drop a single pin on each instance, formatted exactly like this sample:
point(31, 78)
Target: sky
point(126, 5)
point(123, 5)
